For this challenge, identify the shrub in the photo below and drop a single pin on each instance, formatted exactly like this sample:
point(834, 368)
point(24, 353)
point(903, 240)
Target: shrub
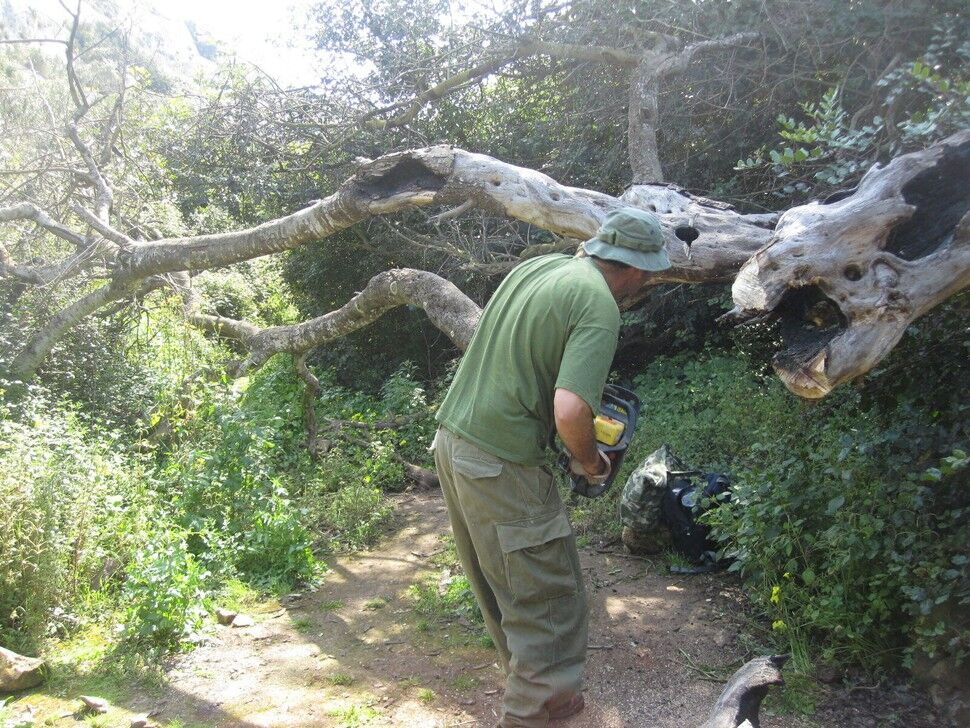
point(846, 542)
point(164, 593)
point(71, 509)
point(352, 517)
point(224, 483)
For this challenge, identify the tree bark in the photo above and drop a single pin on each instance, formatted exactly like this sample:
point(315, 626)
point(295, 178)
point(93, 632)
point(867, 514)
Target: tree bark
point(847, 276)
point(875, 292)
point(741, 698)
point(643, 107)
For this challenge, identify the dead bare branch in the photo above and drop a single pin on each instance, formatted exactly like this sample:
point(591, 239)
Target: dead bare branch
point(29, 211)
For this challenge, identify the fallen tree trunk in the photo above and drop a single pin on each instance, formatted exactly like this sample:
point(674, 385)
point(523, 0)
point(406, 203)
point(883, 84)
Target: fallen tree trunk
point(847, 276)
point(852, 267)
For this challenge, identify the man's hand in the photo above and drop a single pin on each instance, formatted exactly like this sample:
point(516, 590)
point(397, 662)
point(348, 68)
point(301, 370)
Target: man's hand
point(576, 468)
point(574, 423)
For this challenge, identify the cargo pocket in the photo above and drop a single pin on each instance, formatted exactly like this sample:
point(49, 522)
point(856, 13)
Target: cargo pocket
point(537, 561)
point(475, 467)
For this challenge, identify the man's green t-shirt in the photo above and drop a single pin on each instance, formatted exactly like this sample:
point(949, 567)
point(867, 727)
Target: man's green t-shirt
point(552, 323)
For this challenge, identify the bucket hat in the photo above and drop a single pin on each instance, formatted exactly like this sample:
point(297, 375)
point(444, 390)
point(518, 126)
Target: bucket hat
point(630, 236)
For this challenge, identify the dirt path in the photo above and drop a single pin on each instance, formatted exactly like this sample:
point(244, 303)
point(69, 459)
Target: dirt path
point(354, 652)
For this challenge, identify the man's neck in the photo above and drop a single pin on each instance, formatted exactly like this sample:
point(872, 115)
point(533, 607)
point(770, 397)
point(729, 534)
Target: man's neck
point(615, 280)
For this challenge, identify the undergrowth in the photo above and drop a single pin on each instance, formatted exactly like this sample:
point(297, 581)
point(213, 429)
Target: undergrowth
point(847, 522)
point(144, 537)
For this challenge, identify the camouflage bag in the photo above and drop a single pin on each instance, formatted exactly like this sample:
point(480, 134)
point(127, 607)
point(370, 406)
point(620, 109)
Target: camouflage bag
point(644, 531)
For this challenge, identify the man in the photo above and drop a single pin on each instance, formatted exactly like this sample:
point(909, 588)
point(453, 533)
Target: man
point(538, 360)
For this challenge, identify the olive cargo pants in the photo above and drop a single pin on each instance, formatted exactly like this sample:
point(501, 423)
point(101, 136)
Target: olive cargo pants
point(519, 554)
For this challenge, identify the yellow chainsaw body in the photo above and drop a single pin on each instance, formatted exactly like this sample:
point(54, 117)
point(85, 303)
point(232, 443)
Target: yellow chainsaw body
point(608, 430)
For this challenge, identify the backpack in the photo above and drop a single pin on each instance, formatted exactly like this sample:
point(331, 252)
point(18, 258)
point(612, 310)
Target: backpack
point(683, 503)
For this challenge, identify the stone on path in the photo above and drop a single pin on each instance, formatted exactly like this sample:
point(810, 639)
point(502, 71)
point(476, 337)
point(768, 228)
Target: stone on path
point(94, 703)
point(242, 620)
point(18, 672)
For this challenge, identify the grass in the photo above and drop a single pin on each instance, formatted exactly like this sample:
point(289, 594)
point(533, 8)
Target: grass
point(464, 683)
point(456, 601)
point(447, 557)
point(341, 678)
point(241, 597)
point(426, 695)
point(675, 559)
point(353, 716)
point(333, 605)
point(799, 695)
point(302, 624)
point(378, 603)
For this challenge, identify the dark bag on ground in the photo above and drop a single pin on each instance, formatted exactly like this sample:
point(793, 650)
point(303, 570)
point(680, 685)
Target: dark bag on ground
point(657, 509)
point(689, 494)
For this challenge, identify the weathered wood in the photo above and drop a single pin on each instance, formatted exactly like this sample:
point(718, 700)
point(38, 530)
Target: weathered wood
point(857, 270)
point(848, 275)
point(741, 698)
point(448, 308)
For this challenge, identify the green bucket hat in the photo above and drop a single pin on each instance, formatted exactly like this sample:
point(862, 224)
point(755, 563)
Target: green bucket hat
point(630, 236)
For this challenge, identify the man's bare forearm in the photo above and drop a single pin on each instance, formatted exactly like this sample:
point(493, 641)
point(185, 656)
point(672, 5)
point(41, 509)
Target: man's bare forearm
point(574, 423)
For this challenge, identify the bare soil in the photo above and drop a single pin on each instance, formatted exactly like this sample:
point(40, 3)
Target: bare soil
point(354, 652)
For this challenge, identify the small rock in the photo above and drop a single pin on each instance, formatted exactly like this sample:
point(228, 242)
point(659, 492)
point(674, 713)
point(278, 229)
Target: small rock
point(18, 672)
point(203, 640)
point(225, 616)
point(242, 620)
point(94, 703)
point(140, 721)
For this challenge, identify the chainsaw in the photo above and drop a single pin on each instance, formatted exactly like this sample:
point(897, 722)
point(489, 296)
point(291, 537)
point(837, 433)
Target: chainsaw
point(614, 425)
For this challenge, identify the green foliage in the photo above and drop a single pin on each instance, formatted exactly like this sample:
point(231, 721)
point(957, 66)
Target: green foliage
point(229, 500)
point(253, 291)
point(72, 510)
point(446, 600)
point(353, 517)
point(225, 483)
point(165, 590)
point(918, 102)
point(847, 517)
